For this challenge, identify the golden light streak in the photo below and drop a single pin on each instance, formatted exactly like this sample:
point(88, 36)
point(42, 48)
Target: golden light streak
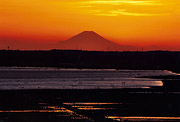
point(124, 12)
point(140, 118)
point(119, 2)
point(91, 103)
point(126, 7)
point(87, 109)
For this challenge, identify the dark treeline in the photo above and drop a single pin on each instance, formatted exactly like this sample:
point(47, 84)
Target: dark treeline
point(164, 60)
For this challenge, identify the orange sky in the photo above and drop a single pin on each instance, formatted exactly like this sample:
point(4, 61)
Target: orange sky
point(128, 22)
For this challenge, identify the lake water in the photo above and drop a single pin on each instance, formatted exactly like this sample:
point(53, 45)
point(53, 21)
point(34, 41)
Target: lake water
point(12, 78)
point(81, 102)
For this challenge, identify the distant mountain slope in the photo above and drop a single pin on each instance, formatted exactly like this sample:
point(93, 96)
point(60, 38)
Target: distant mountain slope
point(89, 40)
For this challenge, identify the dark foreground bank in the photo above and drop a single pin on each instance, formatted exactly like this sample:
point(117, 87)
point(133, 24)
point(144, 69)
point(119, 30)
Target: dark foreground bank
point(153, 104)
point(163, 60)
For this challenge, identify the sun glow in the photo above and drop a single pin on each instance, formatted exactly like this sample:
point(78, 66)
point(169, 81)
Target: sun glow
point(128, 7)
point(134, 22)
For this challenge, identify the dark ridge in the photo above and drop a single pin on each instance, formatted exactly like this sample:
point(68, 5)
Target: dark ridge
point(152, 60)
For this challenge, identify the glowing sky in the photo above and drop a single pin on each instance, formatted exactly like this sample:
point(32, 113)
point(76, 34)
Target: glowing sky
point(129, 22)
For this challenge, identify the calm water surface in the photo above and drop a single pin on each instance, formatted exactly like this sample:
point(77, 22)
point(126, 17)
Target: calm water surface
point(52, 78)
point(29, 94)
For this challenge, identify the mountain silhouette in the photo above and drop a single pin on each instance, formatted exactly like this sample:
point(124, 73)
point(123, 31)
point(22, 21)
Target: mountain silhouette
point(89, 40)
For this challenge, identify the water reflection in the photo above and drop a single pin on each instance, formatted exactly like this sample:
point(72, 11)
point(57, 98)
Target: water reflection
point(44, 110)
point(90, 108)
point(140, 118)
point(86, 108)
point(40, 78)
point(29, 111)
point(60, 112)
point(92, 105)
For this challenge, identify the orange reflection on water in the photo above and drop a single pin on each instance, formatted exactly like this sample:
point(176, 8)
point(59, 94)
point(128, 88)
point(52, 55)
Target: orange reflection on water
point(84, 108)
point(90, 108)
point(45, 109)
point(117, 118)
point(76, 106)
point(54, 109)
point(29, 111)
point(91, 103)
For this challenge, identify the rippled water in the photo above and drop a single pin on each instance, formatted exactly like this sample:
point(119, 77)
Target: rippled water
point(53, 78)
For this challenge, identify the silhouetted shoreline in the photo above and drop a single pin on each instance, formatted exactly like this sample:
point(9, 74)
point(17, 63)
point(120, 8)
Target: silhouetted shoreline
point(150, 60)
